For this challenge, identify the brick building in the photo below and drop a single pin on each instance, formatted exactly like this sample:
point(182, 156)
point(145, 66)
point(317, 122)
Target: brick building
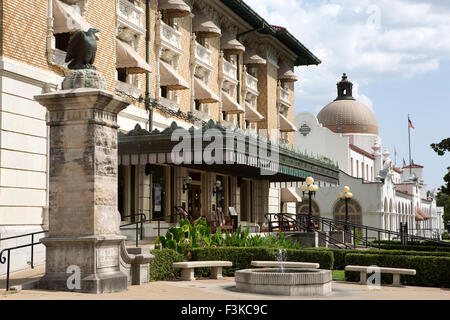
point(193, 63)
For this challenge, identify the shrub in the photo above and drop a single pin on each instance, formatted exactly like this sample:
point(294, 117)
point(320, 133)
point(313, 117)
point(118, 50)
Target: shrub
point(431, 271)
point(416, 247)
point(243, 256)
point(340, 254)
point(198, 234)
point(161, 266)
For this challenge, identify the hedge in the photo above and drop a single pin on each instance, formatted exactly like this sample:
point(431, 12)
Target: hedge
point(161, 266)
point(243, 256)
point(431, 271)
point(417, 247)
point(413, 243)
point(340, 254)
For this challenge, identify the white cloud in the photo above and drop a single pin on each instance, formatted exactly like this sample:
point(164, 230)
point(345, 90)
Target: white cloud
point(367, 39)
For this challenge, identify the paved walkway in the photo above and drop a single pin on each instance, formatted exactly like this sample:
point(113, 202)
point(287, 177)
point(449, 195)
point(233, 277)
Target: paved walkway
point(206, 289)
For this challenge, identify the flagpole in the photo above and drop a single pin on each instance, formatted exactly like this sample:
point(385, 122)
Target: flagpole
point(409, 140)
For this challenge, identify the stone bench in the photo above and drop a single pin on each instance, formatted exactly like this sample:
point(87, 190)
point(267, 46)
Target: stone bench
point(187, 268)
point(286, 264)
point(396, 272)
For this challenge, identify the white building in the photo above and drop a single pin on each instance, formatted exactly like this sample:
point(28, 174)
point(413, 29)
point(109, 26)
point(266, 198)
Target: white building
point(346, 131)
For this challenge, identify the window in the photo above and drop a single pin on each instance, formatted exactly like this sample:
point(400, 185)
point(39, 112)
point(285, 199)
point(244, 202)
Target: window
point(351, 166)
point(357, 168)
point(164, 92)
point(62, 41)
point(122, 74)
point(198, 105)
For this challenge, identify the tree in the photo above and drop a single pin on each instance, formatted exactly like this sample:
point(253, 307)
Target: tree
point(443, 196)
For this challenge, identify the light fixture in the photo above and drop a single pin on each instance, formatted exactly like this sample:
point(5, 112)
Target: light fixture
point(217, 188)
point(186, 183)
point(346, 195)
point(312, 189)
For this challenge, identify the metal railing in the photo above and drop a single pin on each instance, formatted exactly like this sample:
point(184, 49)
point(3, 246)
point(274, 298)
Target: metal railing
point(359, 234)
point(5, 254)
point(7, 259)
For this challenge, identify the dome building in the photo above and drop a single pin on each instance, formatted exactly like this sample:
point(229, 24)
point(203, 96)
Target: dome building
point(350, 117)
point(346, 131)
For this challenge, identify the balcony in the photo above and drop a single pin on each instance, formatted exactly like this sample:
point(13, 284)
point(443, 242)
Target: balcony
point(171, 38)
point(170, 104)
point(131, 16)
point(203, 56)
point(128, 89)
point(252, 84)
point(284, 97)
point(230, 71)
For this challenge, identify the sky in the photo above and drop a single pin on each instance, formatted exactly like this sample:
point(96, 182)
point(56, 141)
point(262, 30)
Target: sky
point(396, 53)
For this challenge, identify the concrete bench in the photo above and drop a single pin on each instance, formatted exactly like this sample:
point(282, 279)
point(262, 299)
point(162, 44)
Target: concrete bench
point(286, 264)
point(187, 268)
point(396, 272)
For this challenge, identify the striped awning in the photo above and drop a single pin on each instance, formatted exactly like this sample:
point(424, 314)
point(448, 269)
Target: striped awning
point(169, 77)
point(418, 216)
point(251, 114)
point(127, 57)
point(242, 154)
point(290, 195)
point(174, 8)
point(67, 19)
point(204, 27)
point(252, 58)
point(424, 215)
point(230, 44)
point(203, 93)
point(286, 125)
point(229, 105)
point(285, 73)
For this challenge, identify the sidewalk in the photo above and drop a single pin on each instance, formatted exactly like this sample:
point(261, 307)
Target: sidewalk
point(207, 289)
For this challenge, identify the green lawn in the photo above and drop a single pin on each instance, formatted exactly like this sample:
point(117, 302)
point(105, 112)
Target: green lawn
point(339, 275)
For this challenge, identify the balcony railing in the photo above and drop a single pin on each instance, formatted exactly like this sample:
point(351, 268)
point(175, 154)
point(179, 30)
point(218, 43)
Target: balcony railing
point(128, 89)
point(252, 83)
point(203, 55)
point(170, 36)
point(284, 96)
point(130, 13)
point(229, 70)
point(170, 104)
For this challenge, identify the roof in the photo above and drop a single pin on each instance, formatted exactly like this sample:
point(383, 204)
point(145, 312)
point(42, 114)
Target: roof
point(405, 193)
point(398, 170)
point(361, 151)
point(348, 116)
point(413, 166)
point(304, 56)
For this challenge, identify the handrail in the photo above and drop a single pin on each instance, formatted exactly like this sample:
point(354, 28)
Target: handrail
point(141, 222)
point(333, 224)
point(7, 259)
point(390, 233)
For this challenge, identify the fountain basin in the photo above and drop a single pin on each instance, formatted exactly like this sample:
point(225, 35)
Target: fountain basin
point(290, 282)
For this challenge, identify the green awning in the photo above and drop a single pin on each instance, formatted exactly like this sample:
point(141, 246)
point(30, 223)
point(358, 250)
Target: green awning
point(241, 154)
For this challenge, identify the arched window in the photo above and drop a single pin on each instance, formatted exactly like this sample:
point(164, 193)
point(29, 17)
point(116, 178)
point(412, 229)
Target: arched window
point(390, 206)
point(303, 207)
point(354, 211)
point(385, 207)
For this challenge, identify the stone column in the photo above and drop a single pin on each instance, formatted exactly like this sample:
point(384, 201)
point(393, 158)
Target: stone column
point(84, 221)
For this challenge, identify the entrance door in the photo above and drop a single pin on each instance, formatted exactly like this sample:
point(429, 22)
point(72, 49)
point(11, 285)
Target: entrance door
point(194, 201)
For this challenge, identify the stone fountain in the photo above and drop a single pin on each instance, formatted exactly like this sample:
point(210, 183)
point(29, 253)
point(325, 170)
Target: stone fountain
point(284, 281)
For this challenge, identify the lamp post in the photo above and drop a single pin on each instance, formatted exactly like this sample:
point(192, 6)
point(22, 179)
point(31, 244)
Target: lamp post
point(346, 195)
point(311, 190)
